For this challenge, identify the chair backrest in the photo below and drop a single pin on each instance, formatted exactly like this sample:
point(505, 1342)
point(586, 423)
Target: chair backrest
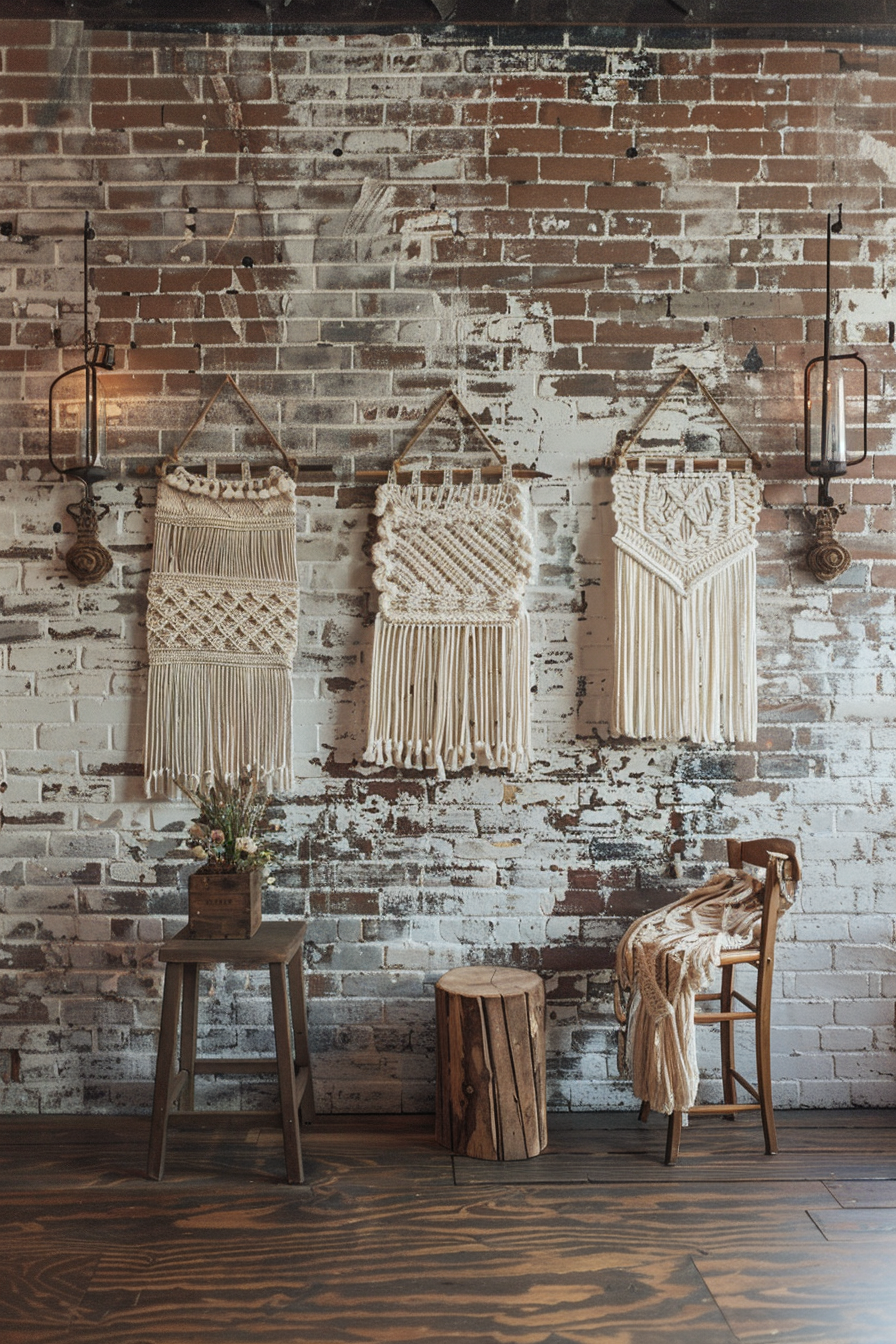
point(768, 854)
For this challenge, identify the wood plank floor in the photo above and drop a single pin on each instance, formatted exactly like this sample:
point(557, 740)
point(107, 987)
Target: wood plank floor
point(391, 1240)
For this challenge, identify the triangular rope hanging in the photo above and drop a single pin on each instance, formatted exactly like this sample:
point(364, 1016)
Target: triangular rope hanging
point(685, 592)
point(450, 674)
point(289, 463)
point(623, 450)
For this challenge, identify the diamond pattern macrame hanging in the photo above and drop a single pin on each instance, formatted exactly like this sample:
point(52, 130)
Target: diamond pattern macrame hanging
point(222, 623)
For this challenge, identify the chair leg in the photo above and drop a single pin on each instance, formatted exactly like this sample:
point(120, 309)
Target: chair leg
point(165, 1070)
point(286, 1075)
point(673, 1138)
point(726, 1030)
point(644, 1113)
point(764, 1074)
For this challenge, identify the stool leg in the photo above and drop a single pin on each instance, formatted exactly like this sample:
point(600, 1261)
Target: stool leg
point(165, 1070)
point(188, 1026)
point(300, 1033)
point(292, 1147)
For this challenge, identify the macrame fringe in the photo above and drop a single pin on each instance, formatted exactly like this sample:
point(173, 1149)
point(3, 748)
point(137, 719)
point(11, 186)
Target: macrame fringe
point(225, 551)
point(686, 665)
point(447, 696)
point(213, 723)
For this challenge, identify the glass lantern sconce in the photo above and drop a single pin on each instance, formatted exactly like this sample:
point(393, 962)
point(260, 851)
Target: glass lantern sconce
point(835, 395)
point(77, 443)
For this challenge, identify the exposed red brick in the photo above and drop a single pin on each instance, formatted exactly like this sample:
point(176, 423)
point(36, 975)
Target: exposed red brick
point(791, 62)
point(531, 140)
point(500, 112)
point(546, 196)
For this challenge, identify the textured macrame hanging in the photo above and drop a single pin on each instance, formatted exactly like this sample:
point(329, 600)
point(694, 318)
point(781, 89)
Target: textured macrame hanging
point(450, 675)
point(685, 597)
point(221, 625)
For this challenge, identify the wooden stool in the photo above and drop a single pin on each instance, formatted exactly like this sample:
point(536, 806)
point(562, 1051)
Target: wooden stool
point(277, 945)
point(490, 1066)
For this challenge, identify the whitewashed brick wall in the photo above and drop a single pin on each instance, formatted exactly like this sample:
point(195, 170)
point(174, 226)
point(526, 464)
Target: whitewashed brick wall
point(500, 253)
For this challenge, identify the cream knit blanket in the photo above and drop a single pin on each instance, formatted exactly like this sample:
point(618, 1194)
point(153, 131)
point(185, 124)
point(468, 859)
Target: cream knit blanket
point(221, 626)
point(664, 960)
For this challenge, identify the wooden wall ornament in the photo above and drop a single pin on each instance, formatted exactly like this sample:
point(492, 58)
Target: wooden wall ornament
point(88, 561)
point(827, 557)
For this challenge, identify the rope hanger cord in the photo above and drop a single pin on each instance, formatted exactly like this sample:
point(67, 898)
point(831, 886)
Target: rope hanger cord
point(620, 455)
point(173, 459)
point(401, 463)
point(424, 424)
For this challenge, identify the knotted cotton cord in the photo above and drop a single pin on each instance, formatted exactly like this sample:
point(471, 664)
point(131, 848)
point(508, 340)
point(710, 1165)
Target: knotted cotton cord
point(685, 605)
point(221, 624)
point(450, 675)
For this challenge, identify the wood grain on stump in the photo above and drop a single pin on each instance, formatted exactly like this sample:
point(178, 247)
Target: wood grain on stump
point(490, 1079)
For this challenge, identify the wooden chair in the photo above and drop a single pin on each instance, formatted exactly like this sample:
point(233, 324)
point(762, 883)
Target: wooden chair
point(781, 862)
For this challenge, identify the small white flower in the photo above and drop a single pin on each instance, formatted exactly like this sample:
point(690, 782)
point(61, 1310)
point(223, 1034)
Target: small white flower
point(246, 844)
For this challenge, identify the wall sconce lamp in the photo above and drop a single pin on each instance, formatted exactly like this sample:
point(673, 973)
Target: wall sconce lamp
point(835, 395)
point(77, 415)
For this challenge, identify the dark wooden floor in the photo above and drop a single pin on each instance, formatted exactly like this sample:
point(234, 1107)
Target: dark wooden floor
point(392, 1240)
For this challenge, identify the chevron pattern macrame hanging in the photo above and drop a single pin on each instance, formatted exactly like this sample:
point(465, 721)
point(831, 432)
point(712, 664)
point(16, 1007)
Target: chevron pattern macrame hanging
point(685, 590)
point(685, 604)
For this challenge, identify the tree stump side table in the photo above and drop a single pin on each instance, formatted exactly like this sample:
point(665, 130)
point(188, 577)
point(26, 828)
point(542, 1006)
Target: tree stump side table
point(278, 945)
point(490, 1063)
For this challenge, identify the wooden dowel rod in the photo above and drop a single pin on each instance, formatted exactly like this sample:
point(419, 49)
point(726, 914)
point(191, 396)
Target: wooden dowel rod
point(433, 475)
point(659, 463)
point(731, 1108)
point(235, 468)
point(224, 1066)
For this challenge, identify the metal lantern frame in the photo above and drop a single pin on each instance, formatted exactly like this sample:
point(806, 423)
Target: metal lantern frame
point(88, 560)
point(96, 357)
point(818, 466)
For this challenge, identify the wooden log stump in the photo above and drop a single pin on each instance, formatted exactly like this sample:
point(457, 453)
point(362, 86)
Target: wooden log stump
point(490, 1066)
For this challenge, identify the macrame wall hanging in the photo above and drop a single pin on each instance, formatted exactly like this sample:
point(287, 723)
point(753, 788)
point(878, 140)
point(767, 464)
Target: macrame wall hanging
point(685, 590)
point(221, 624)
point(450, 675)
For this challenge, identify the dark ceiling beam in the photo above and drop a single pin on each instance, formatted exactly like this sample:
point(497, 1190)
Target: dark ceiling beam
point(807, 19)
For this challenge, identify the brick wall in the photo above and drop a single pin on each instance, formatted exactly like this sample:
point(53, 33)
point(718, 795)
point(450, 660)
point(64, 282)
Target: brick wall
point(350, 225)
